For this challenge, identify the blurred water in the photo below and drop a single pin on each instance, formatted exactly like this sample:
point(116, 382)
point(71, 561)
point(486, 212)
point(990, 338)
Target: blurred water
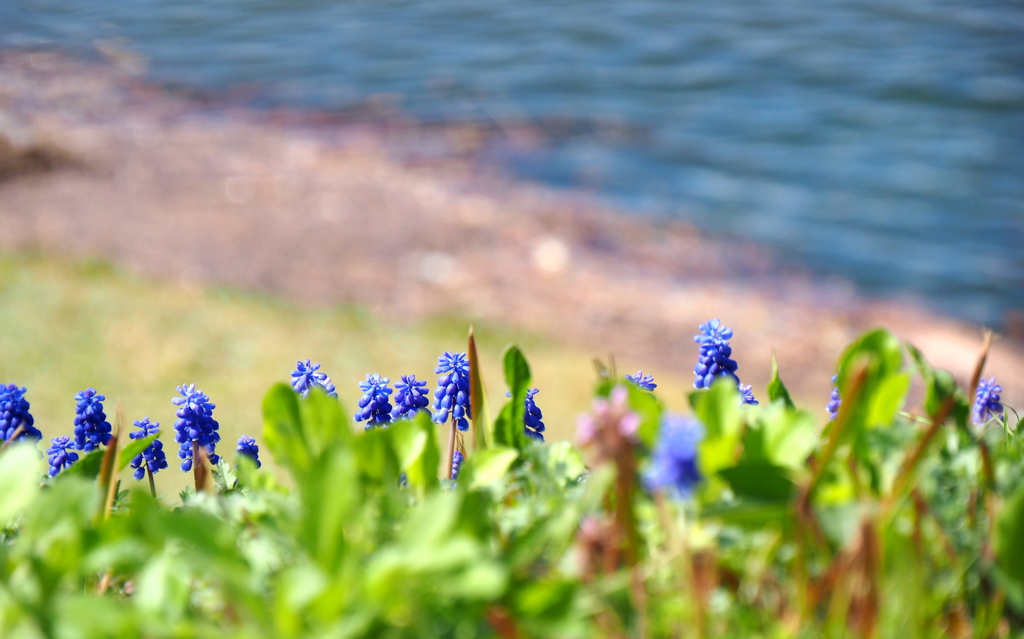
point(880, 141)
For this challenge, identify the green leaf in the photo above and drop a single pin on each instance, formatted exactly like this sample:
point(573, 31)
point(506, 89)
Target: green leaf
point(415, 443)
point(1009, 533)
point(879, 354)
point(19, 468)
point(488, 466)
point(777, 391)
point(87, 466)
point(323, 421)
point(647, 406)
point(762, 482)
point(129, 452)
point(508, 428)
point(753, 514)
point(939, 386)
point(718, 408)
point(888, 399)
point(282, 430)
point(782, 437)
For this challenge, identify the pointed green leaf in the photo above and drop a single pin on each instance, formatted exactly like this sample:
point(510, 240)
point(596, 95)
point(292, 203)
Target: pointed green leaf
point(776, 389)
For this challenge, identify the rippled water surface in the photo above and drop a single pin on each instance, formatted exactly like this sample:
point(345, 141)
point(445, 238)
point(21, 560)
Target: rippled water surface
point(880, 141)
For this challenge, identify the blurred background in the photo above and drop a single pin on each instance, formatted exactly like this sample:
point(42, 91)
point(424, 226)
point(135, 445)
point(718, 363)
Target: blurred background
point(602, 175)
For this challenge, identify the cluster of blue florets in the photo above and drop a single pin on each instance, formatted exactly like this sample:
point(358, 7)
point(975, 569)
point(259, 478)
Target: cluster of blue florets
point(457, 459)
point(14, 415)
point(532, 424)
point(987, 402)
point(305, 376)
point(92, 429)
point(715, 361)
point(153, 457)
point(646, 382)
point(374, 405)
point(61, 454)
point(674, 461)
point(452, 394)
point(834, 401)
point(196, 426)
point(410, 397)
point(247, 447)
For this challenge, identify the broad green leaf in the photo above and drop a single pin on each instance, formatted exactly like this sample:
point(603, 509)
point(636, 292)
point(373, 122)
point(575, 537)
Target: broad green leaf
point(88, 466)
point(282, 430)
point(323, 420)
point(377, 457)
point(488, 466)
point(415, 443)
point(782, 437)
point(762, 482)
point(647, 406)
point(939, 386)
point(129, 452)
point(508, 428)
point(718, 408)
point(776, 389)
point(888, 399)
point(752, 514)
point(19, 476)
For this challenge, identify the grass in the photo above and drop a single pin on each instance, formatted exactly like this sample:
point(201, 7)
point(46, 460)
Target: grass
point(69, 325)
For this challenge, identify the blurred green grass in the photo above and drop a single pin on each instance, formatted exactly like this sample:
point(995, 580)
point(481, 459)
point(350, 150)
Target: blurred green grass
point(66, 325)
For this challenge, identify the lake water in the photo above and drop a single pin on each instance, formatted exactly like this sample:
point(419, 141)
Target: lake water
point(879, 141)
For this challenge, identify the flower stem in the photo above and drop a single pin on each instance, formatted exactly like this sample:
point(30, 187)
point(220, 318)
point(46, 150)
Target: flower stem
point(152, 484)
point(451, 447)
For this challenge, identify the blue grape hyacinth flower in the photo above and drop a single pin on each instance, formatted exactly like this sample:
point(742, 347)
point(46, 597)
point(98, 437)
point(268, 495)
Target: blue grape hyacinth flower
point(305, 376)
point(247, 446)
point(62, 454)
point(714, 359)
point(646, 382)
point(452, 394)
point(987, 402)
point(195, 425)
point(834, 401)
point(14, 412)
point(747, 395)
point(153, 457)
point(674, 466)
point(92, 429)
point(410, 397)
point(457, 459)
point(532, 424)
point(374, 406)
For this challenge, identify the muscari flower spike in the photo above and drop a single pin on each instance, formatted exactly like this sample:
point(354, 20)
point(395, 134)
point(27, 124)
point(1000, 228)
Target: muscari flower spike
point(674, 461)
point(14, 413)
point(62, 455)
point(410, 397)
point(153, 457)
point(457, 459)
point(714, 360)
point(452, 394)
point(834, 400)
point(374, 406)
point(247, 446)
point(305, 376)
point(747, 395)
point(195, 425)
point(532, 424)
point(646, 382)
point(92, 429)
point(987, 402)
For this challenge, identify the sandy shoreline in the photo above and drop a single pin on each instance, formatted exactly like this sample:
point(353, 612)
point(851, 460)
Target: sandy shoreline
point(99, 162)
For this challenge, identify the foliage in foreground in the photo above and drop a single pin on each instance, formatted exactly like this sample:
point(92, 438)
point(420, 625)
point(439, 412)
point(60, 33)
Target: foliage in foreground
point(750, 521)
